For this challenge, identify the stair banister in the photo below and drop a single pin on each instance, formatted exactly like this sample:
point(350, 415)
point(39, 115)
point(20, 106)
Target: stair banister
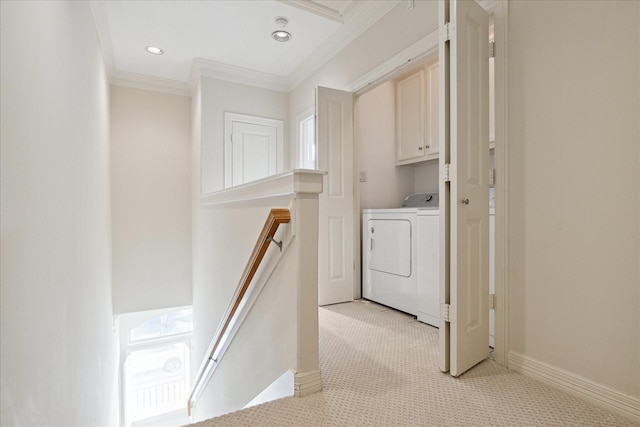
point(274, 219)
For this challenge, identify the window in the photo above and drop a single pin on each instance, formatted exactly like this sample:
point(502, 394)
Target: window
point(156, 366)
point(308, 157)
point(172, 323)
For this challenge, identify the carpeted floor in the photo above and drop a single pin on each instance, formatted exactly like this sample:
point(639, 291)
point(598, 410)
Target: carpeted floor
point(379, 368)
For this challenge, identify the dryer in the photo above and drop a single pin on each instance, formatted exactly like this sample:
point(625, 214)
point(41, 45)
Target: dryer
point(389, 251)
point(400, 256)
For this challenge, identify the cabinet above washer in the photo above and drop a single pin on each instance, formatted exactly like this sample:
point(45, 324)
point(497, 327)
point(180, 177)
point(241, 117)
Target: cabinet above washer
point(417, 115)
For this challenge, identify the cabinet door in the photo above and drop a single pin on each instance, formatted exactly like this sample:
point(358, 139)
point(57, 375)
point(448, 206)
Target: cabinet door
point(433, 144)
point(410, 112)
point(254, 152)
point(254, 148)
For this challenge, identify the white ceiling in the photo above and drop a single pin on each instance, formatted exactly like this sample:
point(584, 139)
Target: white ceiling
point(234, 35)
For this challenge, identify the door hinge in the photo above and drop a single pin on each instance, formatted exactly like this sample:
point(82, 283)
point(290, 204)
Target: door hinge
point(446, 312)
point(492, 49)
point(492, 176)
point(492, 301)
point(447, 32)
point(446, 172)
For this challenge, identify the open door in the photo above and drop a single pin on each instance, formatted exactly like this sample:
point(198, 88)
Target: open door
point(334, 133)
point(464, 186)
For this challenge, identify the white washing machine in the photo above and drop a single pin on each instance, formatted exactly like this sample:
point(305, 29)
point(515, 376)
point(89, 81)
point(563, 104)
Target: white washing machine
point(400, 256)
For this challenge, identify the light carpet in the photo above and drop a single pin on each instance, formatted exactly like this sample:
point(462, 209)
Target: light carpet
point(380, 368)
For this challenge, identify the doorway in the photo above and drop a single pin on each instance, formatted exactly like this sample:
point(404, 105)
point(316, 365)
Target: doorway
point(373, 188)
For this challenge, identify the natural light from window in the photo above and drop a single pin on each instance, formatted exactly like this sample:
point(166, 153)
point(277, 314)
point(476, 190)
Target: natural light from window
point(308, 155)
point(156, 370)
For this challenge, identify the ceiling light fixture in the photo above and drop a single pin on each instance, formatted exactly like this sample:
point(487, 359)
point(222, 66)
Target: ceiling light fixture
point(154, 50)
point(281, 35)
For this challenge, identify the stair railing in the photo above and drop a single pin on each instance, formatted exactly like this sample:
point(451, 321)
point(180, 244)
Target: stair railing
point(222, 335)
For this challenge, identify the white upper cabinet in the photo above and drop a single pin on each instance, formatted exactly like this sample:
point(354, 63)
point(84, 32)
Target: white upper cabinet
point(410, 114)
point(432, 128)
point(417, 116)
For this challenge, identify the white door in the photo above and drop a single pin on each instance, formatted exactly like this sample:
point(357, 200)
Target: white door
point(334, 130)
point(464, 62)
point(253, 148)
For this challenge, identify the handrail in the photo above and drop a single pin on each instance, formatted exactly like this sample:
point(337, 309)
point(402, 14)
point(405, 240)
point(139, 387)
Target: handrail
point(275, 218)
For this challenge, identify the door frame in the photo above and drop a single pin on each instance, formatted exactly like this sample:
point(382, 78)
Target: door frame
point(428, 45)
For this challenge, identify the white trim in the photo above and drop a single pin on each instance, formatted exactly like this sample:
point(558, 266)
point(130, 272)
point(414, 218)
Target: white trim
point(284, 184)
point(605, 397)
point(306, 383)
point(501, 164)
point(358, 23)
point(488, 5)
point(319, 10)
point(423, 48)
point(104, 36)
point(124, 78)
point(217, 70)
point(303, 117)
point(139, 81)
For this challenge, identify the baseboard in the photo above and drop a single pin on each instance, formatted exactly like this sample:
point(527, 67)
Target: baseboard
point(584, 388)
point(306, 383)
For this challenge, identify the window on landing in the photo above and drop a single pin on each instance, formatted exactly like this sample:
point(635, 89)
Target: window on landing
point(156, 367)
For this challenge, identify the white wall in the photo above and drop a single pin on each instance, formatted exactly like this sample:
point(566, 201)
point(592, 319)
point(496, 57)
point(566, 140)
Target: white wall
point(222, 242)
point(387, 184)
point(219, 97)
point(151, 199)
point(394, 32)
point(426, 176)
point(58, 348)
point(264, 347)
point(574, 188)
point(374, 126)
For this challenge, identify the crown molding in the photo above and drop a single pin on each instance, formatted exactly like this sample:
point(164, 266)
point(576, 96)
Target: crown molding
point(104, 36)
point(488, 5)
point(423, 48)
point(358, 15)
point(318, 9)
point(216, 70)
point(139, 81)
point(372, 12)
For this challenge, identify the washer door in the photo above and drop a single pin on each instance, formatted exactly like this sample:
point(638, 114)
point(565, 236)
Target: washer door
point(390, 246)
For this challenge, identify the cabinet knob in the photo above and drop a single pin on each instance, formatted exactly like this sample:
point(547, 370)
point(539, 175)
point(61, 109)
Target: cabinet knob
point(420, 148)
point(465, 201)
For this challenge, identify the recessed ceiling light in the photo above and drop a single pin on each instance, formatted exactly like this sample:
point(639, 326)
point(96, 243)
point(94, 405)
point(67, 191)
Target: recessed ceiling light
point(281, 36)
point(154, 50)
point(281, 21)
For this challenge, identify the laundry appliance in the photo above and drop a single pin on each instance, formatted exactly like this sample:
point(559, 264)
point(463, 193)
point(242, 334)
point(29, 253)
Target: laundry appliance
point(400, 253)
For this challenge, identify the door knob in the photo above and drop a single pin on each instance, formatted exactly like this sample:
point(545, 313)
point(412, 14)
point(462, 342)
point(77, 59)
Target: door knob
point(465, 201)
